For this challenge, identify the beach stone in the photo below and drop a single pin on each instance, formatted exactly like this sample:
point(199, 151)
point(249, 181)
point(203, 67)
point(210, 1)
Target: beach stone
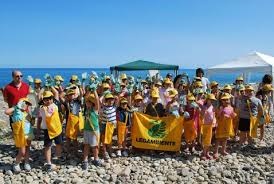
point(29, 179)
point(126, 171)
point(172, 177)
point(9, 173)
point(101, 171)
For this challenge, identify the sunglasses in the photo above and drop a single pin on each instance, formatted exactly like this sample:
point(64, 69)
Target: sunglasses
point(19, 76)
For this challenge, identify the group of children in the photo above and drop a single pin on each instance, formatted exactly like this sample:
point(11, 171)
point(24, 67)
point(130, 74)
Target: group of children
point(100, 112)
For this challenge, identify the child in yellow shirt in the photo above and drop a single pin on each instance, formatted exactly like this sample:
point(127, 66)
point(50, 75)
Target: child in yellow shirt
point(22, 132)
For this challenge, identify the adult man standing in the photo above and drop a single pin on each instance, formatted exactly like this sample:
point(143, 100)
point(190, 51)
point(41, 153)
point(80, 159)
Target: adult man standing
point(15, 90)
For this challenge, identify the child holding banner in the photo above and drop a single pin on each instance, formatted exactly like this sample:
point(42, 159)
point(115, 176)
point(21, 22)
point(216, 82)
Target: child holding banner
point(108, 124)
point(224, 129)
point(138, 104)
point(123, 122)
point(208, 120)
point(22, 132)
point(173, 106)
point(91, 129)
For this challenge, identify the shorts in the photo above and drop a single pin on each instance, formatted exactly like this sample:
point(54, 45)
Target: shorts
point(91, 138)
point(244, 125)
point(48, 141)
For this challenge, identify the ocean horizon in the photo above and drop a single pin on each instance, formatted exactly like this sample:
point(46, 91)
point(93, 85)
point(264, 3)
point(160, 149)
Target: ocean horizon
point(5, 74)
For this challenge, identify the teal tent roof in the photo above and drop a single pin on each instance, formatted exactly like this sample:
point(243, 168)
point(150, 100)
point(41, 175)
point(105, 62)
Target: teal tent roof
point(143, 65)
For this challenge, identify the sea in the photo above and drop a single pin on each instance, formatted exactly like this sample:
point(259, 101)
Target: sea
point(6, 77)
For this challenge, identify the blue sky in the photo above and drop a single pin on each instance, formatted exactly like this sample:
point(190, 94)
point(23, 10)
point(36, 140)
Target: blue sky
point(66, 33)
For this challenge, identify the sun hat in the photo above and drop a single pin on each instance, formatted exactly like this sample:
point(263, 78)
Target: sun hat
point(198, 84)
point(37, 81)
point(155, 94)
point(105, 85)
point(225, 96)
point(123, 76)
point(249, 88)
point(74, 77)
point(47, 94)
point(59, 78)
point(211, 96)
point(240, 78)
point(190, 97)
point(227, 87)
point(138, 97)
point(25, 100)
point(213, 83)
point(91, 98)
point(109, 96)
point(70, 92)
point(123, 100)
point(172, 93)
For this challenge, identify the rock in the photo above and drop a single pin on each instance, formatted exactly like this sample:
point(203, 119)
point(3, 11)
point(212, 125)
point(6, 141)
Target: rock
point(29, 179)
point(126, 172)
point(9, 173)
point(77, 180)
point(227, 174)
point(172, 177)
point(101, 171)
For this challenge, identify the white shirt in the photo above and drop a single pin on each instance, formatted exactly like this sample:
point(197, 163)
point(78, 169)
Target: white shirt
point(205, 83)
point(51, 108)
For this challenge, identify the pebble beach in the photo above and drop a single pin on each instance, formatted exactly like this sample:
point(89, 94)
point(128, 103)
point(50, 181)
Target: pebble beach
point(250, 164)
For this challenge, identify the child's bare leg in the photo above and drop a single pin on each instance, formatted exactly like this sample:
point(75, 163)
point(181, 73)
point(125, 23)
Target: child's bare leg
point(216, 148)
point(242, 137)
point(20, 155)
point(48, 154)
point(26, 157)
point(95, 152)
point(86, 152)
point(224, 143)
point(261, 132)
point(58, 150)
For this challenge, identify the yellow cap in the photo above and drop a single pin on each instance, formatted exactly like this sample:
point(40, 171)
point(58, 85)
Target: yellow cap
point(172, 93)
point(105, 85)
point(70, 92)
point(123, 100)
point(190, 97)
point(91, 98)
point(249, 88)
point(225, 96)
point(268, 87)
point(107, 77)
point(240, 78)
point(47, 94)
point(155, 94)
point(25, 100)
point(37, 81)
point(227, 87)
point(213, 83)
point(198, 84)
point(109, 96)
point(211, 96)
point(59, 78)
point(167, 81)
point(123, 76)
point(74, 77)
point(138, 97)
point(159, 83)
point(144, 81)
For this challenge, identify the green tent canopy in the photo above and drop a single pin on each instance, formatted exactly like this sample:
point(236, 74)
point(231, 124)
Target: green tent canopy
point(143, 65)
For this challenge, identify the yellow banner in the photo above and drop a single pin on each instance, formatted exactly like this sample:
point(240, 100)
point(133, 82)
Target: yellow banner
point(156, 133)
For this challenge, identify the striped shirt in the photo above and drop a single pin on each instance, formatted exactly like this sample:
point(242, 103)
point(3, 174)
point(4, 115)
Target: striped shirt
point(109, 114)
